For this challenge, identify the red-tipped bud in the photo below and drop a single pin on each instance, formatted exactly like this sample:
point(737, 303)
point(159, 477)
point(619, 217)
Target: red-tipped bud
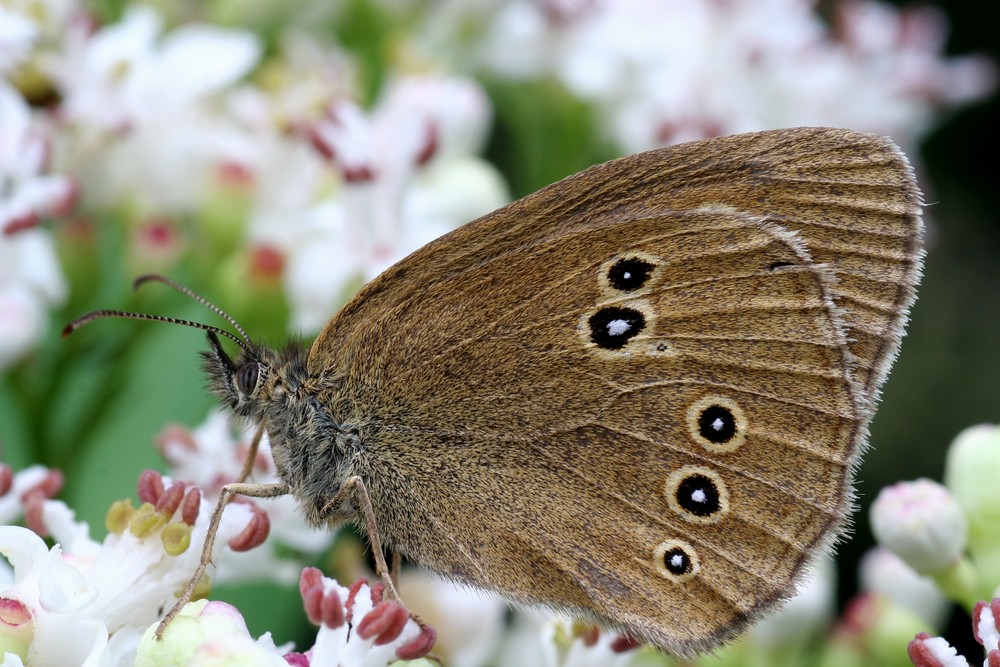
point(420, 646)
point(624, 643)
point(385, 622)
point(150, 486)
point(6, 479)
point(171, 498)
point(191, 506)
point(256, 531)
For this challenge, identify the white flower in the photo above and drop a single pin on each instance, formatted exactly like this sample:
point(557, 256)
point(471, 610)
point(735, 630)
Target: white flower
point(88, 602)
point(207, 634)
point(922, 523)
point(885, 573)
point(927, 651)
point(803, 615)
point(408, 176)
point(17, 36)
point(27, 192)
point(31, 280)
point(670, 72)
point(356, 626)
point(541, 641)
point(126, 75)
point(141, 108)
point(469, 622)
point(12, 492)
point(209, 456)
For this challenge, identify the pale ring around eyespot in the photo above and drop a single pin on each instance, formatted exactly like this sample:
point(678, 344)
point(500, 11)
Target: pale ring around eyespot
point(697, 494)
point(676, 560)
point(723, 405)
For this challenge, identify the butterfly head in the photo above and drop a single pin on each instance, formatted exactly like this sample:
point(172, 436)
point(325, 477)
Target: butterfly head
point(260, 382)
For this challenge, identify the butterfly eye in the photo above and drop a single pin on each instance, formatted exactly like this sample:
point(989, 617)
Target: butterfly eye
point(246, 377)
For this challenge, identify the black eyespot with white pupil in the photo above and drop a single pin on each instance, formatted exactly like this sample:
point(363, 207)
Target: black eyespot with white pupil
point(717, 424)
point(629, 273)
point(677, 561)
point(698, 495)
point(613, 327)
point(246, 377)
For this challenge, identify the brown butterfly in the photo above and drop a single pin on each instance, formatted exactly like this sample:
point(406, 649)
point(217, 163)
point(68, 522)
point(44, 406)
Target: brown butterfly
point(637, 395)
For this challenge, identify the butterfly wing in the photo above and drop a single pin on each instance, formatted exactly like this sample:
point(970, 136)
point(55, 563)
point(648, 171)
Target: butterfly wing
point(628, 395)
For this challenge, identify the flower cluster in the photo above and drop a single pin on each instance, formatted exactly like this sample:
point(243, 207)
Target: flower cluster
point(666, 72)
point(948, 534)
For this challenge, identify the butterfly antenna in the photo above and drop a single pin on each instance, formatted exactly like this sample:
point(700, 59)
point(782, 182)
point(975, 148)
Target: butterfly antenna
point(101, 314)
point(190, 293)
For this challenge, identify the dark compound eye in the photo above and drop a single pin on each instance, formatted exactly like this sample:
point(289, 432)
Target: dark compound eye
point(699, 495)
point(717, 424)
point(677, 562)
point(613, 327)
point(629, 273)
point(246, 377)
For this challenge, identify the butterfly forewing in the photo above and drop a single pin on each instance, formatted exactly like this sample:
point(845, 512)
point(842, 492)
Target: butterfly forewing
point(639, 393)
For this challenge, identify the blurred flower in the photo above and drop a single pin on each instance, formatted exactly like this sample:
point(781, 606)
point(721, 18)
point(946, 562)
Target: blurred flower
point(971, 472)
point(17, 36)
point(922, 523)
point(126, 75)
point(469, 622)
point(539, 640)
point(885, 573)
point(408, 176)
point(209, 634)
point(878, 628)
point(138, 106)
point(670, 72)
point(31, 281)
point(802, 616)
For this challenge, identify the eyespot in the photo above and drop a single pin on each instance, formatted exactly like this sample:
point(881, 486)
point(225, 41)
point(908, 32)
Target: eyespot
point(629, 273)
point(612, 327)
point(247, 376)
point(676, 560)
point(717, 423)
point(697, 494)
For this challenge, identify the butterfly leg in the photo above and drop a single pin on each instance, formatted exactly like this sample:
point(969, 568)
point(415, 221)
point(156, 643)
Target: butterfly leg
point(355, 485)
point(228, 491)
point(251, 456)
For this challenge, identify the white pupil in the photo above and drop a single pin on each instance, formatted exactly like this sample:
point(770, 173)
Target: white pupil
point(677, 560)
point(627, 275)
point(618, 327)
point(699, 496)
point(718, 424)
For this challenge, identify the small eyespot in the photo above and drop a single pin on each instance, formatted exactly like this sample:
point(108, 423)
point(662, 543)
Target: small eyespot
point(717, 423)
point(247, 376)
point(697, 494)
point(629, 273)
point(676, 560)
point(612, 327)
